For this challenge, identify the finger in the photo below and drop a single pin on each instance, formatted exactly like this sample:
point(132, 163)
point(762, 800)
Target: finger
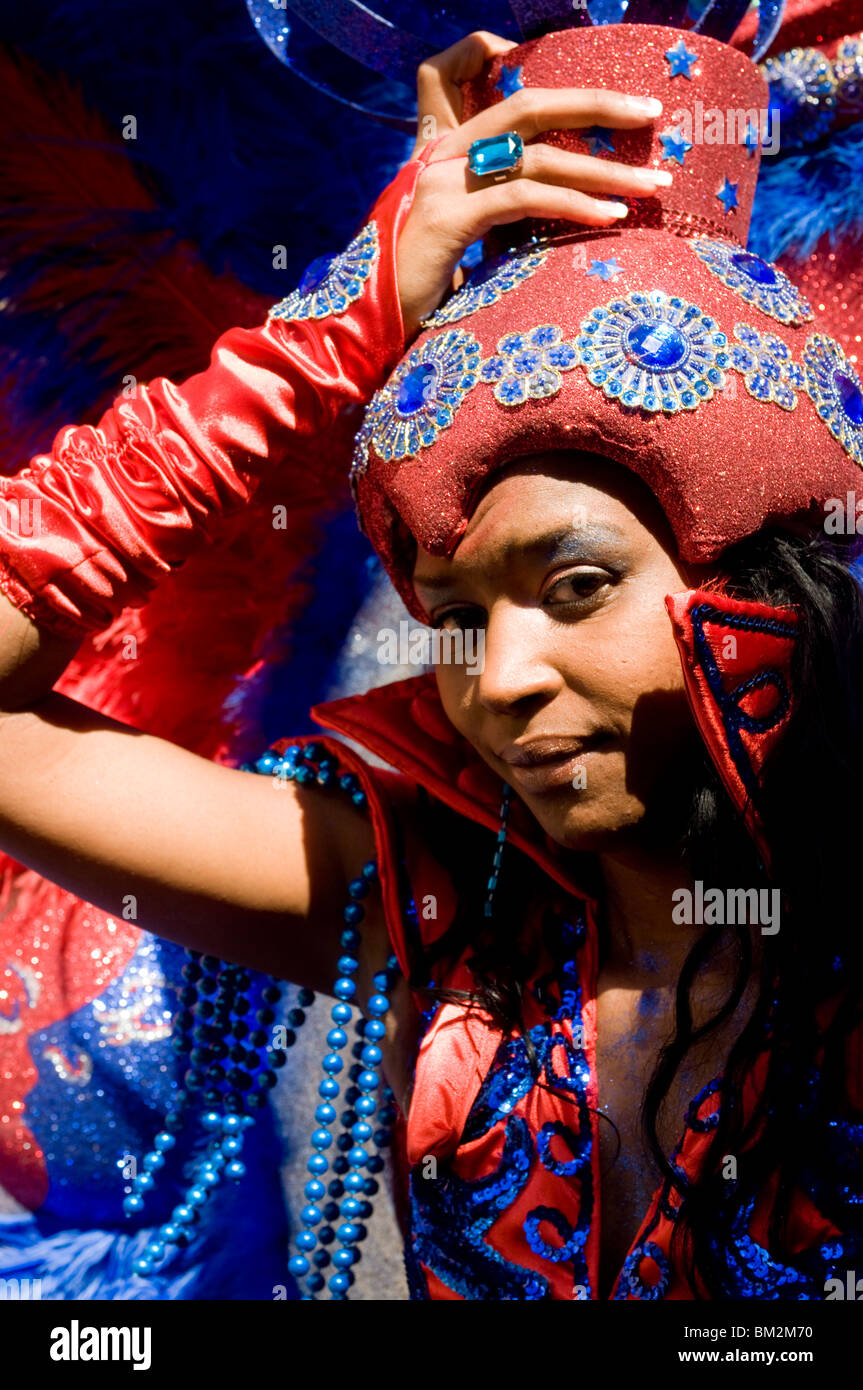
point(510, 202)
point(439, 77)
point(536, 109)
point(547, 164)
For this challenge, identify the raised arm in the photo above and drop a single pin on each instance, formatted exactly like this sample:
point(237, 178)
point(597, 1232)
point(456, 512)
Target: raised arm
point(213, 857)
point(227, 862)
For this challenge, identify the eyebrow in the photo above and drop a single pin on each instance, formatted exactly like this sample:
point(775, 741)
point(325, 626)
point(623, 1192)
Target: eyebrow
point(548, 548)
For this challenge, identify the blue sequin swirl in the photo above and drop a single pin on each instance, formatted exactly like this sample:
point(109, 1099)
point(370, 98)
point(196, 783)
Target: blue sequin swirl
point(653, 351)
point(631, 1281)
point(489, 282)
point(834, 386)
point(756, 281)
point(331, 284)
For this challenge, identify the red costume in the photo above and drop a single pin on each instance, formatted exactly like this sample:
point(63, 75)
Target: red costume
point(514, 1214)
point(538, 352)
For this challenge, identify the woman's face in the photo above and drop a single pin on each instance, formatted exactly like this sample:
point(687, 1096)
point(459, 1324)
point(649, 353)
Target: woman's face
point(580, 704)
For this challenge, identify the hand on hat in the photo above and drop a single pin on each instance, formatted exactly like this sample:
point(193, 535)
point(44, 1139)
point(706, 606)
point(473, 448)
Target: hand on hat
point(453, 207)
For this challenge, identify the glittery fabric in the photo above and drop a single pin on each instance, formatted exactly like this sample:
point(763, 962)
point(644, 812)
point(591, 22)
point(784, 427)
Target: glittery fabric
point(671, 394)
point(832, 280)
point(88, 1014)
point(632, 58)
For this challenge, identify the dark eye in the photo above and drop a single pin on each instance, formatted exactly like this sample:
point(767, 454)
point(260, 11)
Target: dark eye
point(578, 586)
point(455, 618)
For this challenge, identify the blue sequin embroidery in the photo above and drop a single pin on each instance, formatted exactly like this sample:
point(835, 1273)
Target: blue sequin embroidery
point(489, 282)
point(756, 281)
point(653, 351)
point(332, 283)
point(452, 1216)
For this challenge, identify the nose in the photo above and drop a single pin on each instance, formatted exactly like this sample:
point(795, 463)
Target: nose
point(519, 670)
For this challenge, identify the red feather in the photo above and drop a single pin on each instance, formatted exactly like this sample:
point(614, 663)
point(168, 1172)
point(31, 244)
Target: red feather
point(115, 282)
point(142, 306)
point(120, 293)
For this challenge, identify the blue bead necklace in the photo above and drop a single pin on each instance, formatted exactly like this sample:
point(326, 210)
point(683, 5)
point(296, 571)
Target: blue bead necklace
point(233, 1064)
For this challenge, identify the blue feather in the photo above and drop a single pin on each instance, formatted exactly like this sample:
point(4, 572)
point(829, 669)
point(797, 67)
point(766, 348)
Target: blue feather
point(802, 197)
point(98, 1264)
point(277, 699)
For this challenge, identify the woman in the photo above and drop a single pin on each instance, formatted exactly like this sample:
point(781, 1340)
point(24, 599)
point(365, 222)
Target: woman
point(552, 998)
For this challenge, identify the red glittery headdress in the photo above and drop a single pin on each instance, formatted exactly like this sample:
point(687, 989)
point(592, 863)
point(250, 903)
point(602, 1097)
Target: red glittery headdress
point(662, 345)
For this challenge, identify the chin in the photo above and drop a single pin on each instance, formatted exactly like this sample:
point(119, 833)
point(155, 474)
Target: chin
point(592, 826)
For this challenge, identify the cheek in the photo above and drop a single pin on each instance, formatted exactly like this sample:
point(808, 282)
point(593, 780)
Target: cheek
point(624, 665)
point(645, 679)
point(452, 685)
point(626, 657)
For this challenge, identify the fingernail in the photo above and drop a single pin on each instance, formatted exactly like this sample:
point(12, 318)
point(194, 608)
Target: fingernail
point(614, 209)
point(644, 106)
point(663, 177)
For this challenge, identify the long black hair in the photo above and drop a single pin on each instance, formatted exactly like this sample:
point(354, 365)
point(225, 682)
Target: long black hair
point(800, 1134)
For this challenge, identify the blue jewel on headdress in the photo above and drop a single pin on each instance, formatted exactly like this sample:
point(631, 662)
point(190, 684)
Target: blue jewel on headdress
point(489, 281)
point(331, 283)
point(727, 195)
point(654, 351)
point(605, 270)
point(834, 386)
point(529, 365)
point(420, 399)
point(802, 92)
point(599, 139)
point(509, 81)
point(675, 145)
point(680, 60)
point(756, 281)
point(765, 364)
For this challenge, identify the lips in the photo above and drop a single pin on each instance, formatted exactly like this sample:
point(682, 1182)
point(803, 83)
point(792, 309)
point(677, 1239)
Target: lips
point(546, 764)
point(535, 751)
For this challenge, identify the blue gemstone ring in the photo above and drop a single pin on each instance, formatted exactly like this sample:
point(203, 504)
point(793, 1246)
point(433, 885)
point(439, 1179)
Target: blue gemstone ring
point(496, 155)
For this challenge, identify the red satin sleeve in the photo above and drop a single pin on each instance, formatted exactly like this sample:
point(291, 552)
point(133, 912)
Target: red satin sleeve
point(89, 528)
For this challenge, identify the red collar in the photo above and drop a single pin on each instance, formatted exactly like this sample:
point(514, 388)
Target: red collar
point(736, 660)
